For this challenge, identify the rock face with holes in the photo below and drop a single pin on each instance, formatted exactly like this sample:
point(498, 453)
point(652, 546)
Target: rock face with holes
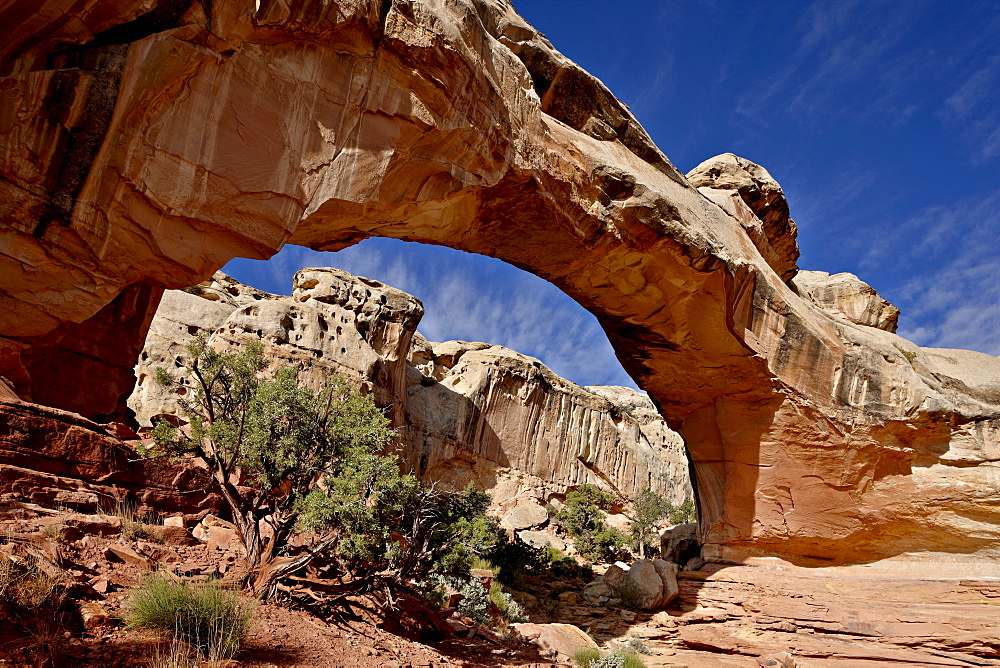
point(334, 323)
point(466, 412)
point(143, 143)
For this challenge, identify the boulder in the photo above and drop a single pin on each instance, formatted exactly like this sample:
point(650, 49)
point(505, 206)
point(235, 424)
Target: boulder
point(847, 296)
point(559, 640)
point(93, 615)
point(764, 197)
point(652, 582)
point(127, 555)
point(540, 539)
point(104, 525)
point(215, 532)
point(525, 516)
point(170, 534)
point(679, 543)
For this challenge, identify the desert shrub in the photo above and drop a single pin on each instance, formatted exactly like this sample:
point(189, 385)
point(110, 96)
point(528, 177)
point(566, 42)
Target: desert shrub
point(647, 511)
point(210, 619)
point(133, 528)
point(56, 532)
point(510, 610)
point(35, 599)
point(24, 584)
point(908, 354)
point(582, 517)
point(637, 645)
point(585, 656)
point(316, 461)
point(516, 560)
point(475, 602)
point(622, 658)
point(481, 563)
point(683, 513)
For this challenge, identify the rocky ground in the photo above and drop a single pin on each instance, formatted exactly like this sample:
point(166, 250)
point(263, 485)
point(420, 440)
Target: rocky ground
point(721, 616)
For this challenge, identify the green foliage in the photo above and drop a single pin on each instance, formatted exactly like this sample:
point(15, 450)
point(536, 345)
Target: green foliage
point(683, 513)
point(481, 563)
point(648, 509)
point(584, 509)
point(560, 563)
point(909, 355)
point(582, 517)
point(475, 601)
point(588, 657)
point(510, 610)
point(516, 561)
point(211, 619)
point(316, 461)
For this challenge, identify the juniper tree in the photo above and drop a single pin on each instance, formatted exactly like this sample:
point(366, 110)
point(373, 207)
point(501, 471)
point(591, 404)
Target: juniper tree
point(582, 516)
point(290, 459)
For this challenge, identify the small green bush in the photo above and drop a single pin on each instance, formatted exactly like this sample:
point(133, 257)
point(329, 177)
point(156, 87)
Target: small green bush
point(510, 610)
point(582, 517)
point(475, 601)
point(619, 659)
point(209, 618)
point(586, 656)
point(516, 560)
point(484, 564)
point(637, 645)
point(683, 513)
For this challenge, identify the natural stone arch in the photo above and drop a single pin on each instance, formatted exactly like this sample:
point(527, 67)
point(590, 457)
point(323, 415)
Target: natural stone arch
point(215, 130)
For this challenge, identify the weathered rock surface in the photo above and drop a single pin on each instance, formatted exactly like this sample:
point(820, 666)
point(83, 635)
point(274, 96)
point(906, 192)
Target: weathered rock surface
point(847, 616)
point(59, 459)
point(651, 582)
point(770, 225)
point(562, 640)
point(505, 421)
point(679, 544)
point(467, 412)
point(147, 143)
point(847, 295)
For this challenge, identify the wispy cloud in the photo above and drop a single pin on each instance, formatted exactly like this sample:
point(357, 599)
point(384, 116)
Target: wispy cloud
point(972, 110)
point(955, 301)
point(467, 297)
point(841, 44)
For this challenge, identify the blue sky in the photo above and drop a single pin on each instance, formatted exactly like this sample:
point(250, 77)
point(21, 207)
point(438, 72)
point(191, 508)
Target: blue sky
point(880, 120)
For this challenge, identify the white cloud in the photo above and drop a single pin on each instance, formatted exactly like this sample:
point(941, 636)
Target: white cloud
point(955, 301)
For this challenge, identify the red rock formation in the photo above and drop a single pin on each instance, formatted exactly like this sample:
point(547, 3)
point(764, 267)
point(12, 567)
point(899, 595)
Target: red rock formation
point(153, 147)
point(59, 459)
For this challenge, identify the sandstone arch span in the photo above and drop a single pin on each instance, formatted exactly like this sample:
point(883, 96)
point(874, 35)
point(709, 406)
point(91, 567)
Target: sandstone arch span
point(147, 143)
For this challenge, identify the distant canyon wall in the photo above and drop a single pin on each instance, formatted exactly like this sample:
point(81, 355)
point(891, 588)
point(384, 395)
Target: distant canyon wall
point(466, 412)
point(143, 144)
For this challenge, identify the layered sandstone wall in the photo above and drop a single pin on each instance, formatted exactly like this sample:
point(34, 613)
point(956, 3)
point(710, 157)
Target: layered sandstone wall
point(466, 412)
point(147, 143)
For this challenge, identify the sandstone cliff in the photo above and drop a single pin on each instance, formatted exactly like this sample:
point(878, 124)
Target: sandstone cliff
point(145, 143)
point(466, 412)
